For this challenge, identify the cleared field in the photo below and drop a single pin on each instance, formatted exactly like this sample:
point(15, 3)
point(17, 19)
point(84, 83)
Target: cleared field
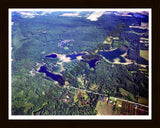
point(144, 54)
point(103, 108)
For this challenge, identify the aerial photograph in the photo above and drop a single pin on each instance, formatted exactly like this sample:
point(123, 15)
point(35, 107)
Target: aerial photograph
point(79, 63)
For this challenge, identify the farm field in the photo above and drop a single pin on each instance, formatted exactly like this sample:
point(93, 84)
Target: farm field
point(126, 108)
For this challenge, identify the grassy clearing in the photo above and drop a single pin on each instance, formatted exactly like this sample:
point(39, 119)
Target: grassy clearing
point(133, 71)
point(127, 95)
point(144, 54)
point(75, 97)
point(143, 69)
point(119, 103)
point(27, 107)
point(143, 100)
point(94, 87)
point(123, 92)
point(82, 98)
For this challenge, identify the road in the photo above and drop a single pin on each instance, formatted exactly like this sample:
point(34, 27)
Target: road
point(130, 102)
point(86, 91)
point(105, 95)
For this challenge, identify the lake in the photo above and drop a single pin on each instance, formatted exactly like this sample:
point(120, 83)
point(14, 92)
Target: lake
point(92, 63)
point(111, 55)
point(55, 77)
point(52, 55)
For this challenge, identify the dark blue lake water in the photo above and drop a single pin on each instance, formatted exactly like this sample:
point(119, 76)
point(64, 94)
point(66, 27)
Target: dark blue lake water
point(52, 55)
point(92, 63)
point(110, 55)
point(55, 77)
